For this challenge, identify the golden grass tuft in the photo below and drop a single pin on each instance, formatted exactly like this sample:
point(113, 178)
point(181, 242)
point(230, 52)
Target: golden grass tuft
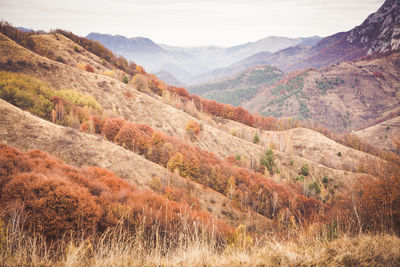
point(117, 247)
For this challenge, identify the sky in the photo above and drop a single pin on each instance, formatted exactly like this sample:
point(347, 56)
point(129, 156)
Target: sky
point(191, 22)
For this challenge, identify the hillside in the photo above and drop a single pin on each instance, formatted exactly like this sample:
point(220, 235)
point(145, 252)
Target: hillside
point(381, 134)
point(240, 88)
point(342, 98)
point(169, 78)
point(24, 131)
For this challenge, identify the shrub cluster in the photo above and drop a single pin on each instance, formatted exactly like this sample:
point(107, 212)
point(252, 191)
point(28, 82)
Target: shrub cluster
point(61, 200)
point(252, 189)
point(192, 128)
point(65, 107)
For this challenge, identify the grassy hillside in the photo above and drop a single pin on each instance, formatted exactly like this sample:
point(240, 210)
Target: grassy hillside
point(240, 88)
point(383, 134)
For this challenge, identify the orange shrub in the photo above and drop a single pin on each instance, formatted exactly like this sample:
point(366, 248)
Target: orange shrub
point(252, 189)
point(56, 207)
point(373, 202)
point(58, 199)
point(135, 137)
point(89, 68)
point(192, 128)
point(97, 124)
point(111, 127)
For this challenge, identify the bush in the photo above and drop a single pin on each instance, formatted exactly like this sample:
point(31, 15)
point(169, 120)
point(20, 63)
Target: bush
point(176, 162)
point(125, 80)
point(140, 83)
point(314, 186)
point(130, 136)
point(111, 127)
point(268, 161)
point(79, 98)
point(89, 68)
point(56, 207)
point(26, 93)
point(192, 128)
point(256, 138)
point(376, 198)
point(20, 37)
point(58, 201)
point(96, 124)
point(61, 60)
point(304, 170)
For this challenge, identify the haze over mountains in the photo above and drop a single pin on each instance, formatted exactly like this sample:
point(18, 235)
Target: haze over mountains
point(187, 63)
point(378, 33)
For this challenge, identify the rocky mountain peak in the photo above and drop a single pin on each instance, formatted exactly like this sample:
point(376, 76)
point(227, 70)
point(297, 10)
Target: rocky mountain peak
point(380, 32)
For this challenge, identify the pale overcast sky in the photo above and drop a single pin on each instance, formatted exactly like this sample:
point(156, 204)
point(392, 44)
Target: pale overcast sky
point(191, 22)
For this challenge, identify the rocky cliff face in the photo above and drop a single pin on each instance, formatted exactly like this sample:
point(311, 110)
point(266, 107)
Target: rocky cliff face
point(380, 32)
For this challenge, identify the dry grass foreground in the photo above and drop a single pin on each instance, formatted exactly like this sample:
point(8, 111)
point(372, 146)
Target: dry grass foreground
point(116, 248)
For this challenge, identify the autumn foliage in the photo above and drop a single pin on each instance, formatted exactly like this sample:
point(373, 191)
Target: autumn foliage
point(20, 37)
point(372, 202)
point(250, 189)
point(61, 200)
point(111, 127)
point(192, 128)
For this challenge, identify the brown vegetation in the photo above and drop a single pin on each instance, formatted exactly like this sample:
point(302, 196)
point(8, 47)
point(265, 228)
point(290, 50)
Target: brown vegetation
point(252, 189)
point(61, 200)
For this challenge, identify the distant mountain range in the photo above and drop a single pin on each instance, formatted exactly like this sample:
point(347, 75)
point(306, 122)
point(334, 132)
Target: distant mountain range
point(187, 64)
point(379, 33)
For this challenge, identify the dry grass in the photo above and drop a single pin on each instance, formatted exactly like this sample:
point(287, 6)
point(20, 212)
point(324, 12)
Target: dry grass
point(117, 248)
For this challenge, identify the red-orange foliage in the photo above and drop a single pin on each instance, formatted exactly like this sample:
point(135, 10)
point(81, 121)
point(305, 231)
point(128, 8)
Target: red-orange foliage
point(136, 137)
point(252, 189)
point(111, 127)
point(11, 163)
point(182, 92)
point(192, 128)
point(378, 74)
point(89, 68)
point(20, 37)
point(59, 199)
point(97, 124)
point(54, 206)
point(212, 107)
point(373, 202)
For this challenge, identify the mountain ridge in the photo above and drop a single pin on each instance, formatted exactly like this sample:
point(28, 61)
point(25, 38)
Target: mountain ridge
point(195, 60)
